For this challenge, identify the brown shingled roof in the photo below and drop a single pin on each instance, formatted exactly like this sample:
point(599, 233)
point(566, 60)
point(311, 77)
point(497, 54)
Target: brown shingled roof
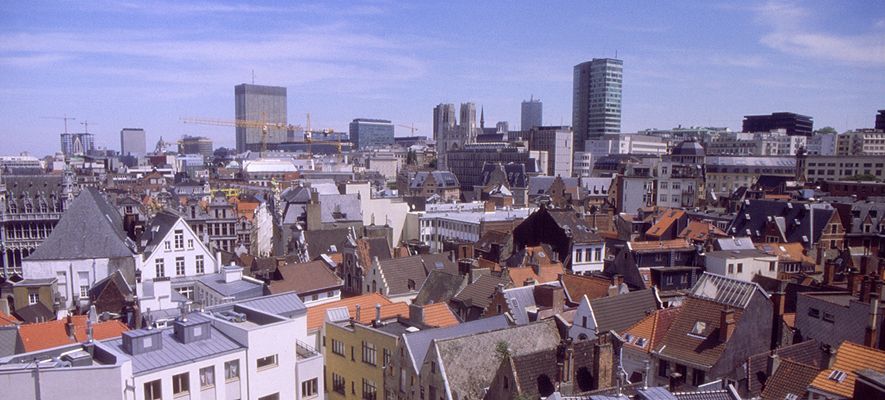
point(652, 329)
point(789, 378)
point(703, 349)
point(303, 278)
point(577, 286)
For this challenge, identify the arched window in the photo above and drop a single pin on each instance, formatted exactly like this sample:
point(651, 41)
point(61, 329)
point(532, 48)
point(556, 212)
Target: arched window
point(29, 208)
point(13, 208)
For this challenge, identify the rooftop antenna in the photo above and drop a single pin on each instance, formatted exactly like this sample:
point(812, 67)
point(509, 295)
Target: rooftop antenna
point(253, 76)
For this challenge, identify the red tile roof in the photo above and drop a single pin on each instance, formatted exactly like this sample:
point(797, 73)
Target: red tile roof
point(439, 315)
point(652, 328)
point(576, 286)
point(46, 335)
point(658, 245)
point(316, 315)
point(701, 231)
point(668, 218)
point(850, 357)
point(6, 319)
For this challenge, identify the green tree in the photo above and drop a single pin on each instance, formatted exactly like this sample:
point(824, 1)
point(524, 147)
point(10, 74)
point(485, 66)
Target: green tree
point(826, 130)
point(503, 350)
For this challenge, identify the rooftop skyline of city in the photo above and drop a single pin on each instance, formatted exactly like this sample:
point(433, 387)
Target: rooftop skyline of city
point(146, 65)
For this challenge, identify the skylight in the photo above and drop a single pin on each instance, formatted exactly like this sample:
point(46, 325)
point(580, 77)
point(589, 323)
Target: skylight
point(837, 375)
point(699, 328)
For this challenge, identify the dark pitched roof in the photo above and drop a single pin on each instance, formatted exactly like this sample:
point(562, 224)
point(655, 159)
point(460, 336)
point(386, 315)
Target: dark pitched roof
point(578, 286)
point(34, 313)
point(807, 353)
point(527, 368)
point(574, 226)
point(618, 313)
point(378, 247)
point(320, 242)
point(304, 278)
point(442, 178)
point(89, 228)
point(418, 343)
point(479, 293)
point(116, 279)
point(792, 218)
point(439, 287)
point(492, 237)
point(789, 378)
point(515, 173)
point(157, 229)
point(399, 271)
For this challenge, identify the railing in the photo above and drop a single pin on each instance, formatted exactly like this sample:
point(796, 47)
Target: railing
point(305, 351)
point(4, 217)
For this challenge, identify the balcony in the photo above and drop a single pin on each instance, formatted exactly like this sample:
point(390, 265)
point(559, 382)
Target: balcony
point(305, 351)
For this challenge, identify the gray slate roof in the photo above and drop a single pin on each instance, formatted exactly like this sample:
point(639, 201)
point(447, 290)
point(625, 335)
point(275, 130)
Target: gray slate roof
point(175, 353)
point(239, 289)
point(89, 228)
point(398, 271)
point(439, 287)
point(468, 361)
point(157, 229)
point(285, 304)
point(340, 207)
point(620, 312)
point(518, 299)
point(442, 178)
point(418, 343)
point(479, 293)
point(541, 184)
point(8, 340)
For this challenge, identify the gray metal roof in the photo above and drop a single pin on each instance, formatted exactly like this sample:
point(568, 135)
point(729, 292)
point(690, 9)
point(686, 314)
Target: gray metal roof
point(240, 289)
point(337, 314)
point(157, 229)
point(419, 342)
point(89, 228)
point(8, 340)
point(518, 299)
point(283, 304)
point(725, 290)
point(340, 207)
point(175, 353)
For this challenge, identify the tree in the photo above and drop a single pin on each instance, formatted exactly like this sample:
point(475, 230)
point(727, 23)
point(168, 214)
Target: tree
point(827, 130)
point(503, 350)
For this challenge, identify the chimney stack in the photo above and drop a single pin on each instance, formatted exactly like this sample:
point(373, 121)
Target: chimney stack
point(778, 298)
point(416, 314)
point(69, 326)
point(871, 334)
point(357, 313)
point(726, 324)
point(829, 273)
point(774, 361)
point(377, 315)
point(675, 381)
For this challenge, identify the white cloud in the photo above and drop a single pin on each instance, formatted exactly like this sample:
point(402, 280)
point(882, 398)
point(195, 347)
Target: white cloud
point(791, 34)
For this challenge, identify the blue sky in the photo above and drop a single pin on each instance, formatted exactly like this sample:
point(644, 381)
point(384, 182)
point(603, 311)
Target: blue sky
point(146, 64)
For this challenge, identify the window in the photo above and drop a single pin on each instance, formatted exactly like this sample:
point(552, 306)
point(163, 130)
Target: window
point(338, 347)
point(179, 239)
point(309, 388)
point(201, 267)
point(339, 385)
point(597, 254)
point(740, 267)
point(161, 269)
point(386, 358)
point(814, 313)
point(315, 297)
point(179, 266)
point(207, 377)
point(232, 370)
point(180, 384)
point(33, 296)
point(168, 245)
point(190, 243)
point(267, 362)
point(369, 353)
point(771, 266)
point(829, 317)
point(368, 390)
point(153, 390)
point(663, 368)
point(579, 256)
point(697, 377)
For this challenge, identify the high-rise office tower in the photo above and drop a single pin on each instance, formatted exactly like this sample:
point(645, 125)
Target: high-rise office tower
point(532, 112)
point(260, 103)
point(77, 143)
point(365, 133)
point(794, 124)
point(596, 101)
point(195, 145)
point(132, 142)
point(443, 120)
point(880, 120)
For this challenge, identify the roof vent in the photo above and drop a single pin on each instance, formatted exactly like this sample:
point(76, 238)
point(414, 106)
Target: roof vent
point(837, 375)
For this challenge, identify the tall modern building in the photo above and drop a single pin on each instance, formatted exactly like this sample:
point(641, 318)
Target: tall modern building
point(596, 101)
point(77, 143)
point(365, 133)
point(532, 111)
point(260, 103)
point(195, 145)
point(880, 120)
point(795, 124)
point(132, 142)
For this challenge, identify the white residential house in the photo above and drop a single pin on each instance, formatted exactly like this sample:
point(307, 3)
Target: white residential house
point(742, 264)
point(87, 245)
point(253, 349)
point(588, 257)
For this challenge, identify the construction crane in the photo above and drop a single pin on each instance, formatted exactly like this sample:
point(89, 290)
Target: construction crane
point(411, 128)
point(66, 118)
point(243, 123)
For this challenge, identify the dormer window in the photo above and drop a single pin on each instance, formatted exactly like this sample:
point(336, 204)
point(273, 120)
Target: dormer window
point(698, 329)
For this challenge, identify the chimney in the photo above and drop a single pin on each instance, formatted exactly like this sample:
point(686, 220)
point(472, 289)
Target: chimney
point(871, 333)
point(416, 314)
point(778, 298)
point(774, 361)
point(726, 324)
point(829, 356)
point(377, 315)
point(829, 273)
point(854, 281)
point(69, 327)
point(675, 381)
point(647, 370)
point(281, 262)
point(232, 273)
point(617, 280)
point(864, 294)
point(357, 313)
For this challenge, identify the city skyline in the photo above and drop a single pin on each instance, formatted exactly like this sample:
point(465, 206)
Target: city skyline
point(132, 65)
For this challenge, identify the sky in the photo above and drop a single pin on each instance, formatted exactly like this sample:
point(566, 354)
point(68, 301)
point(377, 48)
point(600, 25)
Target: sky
point(148, 64)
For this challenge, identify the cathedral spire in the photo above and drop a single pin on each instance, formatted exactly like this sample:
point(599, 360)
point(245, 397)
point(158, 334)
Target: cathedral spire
point(482, 117)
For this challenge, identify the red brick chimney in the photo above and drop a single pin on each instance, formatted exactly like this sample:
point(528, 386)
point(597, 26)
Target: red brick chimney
point(871, 334)
point(726, 324)
point(829, 273)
